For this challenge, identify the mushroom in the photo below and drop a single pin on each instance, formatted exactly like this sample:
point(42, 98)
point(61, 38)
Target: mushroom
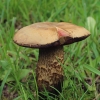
point(50, 37)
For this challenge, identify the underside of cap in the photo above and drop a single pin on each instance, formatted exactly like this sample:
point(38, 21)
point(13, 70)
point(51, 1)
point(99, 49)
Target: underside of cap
point(46, 34)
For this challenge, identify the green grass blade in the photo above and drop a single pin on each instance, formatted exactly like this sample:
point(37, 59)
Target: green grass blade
point(92, 69)
point(4, 81)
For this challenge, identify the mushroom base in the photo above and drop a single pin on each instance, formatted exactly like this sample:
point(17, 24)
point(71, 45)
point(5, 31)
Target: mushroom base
point(49, 72)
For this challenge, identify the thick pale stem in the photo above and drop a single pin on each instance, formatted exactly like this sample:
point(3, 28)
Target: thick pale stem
point(49, 71)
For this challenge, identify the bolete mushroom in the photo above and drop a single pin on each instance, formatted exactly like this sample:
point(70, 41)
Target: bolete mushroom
point(50, 37)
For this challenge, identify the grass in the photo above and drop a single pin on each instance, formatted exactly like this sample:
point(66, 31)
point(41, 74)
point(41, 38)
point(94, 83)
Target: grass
point(82, 60)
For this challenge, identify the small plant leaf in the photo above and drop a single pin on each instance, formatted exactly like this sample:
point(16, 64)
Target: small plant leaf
point(21, 73)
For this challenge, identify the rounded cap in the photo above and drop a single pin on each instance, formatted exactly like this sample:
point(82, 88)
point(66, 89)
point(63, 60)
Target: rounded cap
point(45, 34)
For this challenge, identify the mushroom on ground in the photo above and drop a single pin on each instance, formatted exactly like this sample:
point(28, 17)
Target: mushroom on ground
point(50, 37)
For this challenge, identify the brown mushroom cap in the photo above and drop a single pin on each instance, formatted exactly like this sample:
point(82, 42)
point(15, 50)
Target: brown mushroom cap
point(45, 34)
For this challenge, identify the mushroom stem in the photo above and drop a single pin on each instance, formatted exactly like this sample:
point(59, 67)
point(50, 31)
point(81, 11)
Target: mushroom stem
point(49, 72)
